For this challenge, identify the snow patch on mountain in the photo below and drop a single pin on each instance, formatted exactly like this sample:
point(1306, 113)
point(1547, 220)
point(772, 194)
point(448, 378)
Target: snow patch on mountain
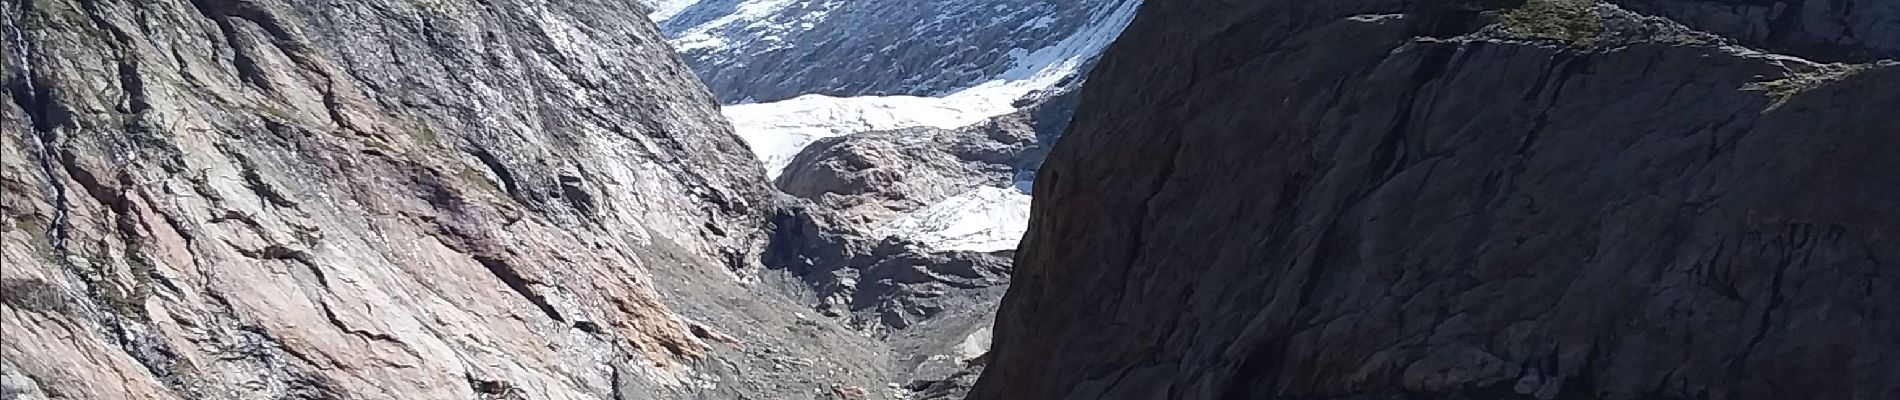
point(666, 9)
point(985, 219)
point(1067, 57)
point(750, 51)
point(776, 131)
point(766, 18)
point(835, 67)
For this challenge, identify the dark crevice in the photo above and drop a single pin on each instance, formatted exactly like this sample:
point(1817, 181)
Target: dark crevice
point(276, 252)
point(226, 14)
point(255, 181)
point(500, 170)
point(1801, 240)
point(257, 14)
point(129, 79)
point(134, 85)
point(338, 323)
point(589, 327)
point(46, 116)
point(1565, 68)
point(241, 58)
point(614, 381)
point(519, 284)
point(1392, 156)
point(488, 389)
point(571, 190)
point(334, 108)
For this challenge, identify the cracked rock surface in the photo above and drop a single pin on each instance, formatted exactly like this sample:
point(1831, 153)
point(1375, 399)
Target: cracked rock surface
point(386, 199)
point(1384, 199)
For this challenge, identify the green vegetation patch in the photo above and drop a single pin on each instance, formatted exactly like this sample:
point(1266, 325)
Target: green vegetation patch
point(34, 295)
point(1574, 21)
point(36, 227)
point(1779, 91)
point(474, 178)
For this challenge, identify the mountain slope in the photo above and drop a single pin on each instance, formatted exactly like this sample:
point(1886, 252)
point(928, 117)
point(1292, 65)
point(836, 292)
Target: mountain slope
point(907, 129)
point(751, 51)
point(1376, 199)
point(382, 199)
point(798, 71)
point(984, 61)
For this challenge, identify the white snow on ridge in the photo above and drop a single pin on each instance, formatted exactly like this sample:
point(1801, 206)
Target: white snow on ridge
point(986, 219)
point(1072, 52)
point(776, 131)
point(664, 9)
point(753, 14)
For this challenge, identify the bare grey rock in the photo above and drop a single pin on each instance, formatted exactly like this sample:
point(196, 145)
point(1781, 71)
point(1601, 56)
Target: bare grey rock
point(1342, 200)
point(383, 200)
point(880, 285)
point(932, 310)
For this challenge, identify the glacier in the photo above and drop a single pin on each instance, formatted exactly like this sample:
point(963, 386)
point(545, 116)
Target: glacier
point(834, 67)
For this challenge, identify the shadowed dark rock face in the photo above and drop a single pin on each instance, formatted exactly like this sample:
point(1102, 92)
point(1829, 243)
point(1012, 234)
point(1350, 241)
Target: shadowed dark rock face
point(1307, 200)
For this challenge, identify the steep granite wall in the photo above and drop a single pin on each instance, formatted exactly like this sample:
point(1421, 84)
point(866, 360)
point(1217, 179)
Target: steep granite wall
point(1384, 199)
point(381, 199)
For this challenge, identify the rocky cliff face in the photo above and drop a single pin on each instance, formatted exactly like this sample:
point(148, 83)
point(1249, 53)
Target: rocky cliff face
point(383, 199)
point(1383, 199)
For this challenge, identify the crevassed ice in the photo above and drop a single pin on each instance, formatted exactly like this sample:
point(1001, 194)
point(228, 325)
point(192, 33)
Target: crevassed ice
point(985, 219)
point(776, 131)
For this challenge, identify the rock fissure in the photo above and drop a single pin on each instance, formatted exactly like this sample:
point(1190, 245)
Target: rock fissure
point(522, 286)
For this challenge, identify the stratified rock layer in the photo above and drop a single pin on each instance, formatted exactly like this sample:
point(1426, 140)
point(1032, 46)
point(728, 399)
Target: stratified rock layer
point(382, 200)
point(1417, 200)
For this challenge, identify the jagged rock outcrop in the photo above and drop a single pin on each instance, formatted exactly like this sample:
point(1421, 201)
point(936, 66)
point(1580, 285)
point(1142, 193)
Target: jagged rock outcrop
point(882, 285)
point(872, 177)
point(383, 199)
point(860, 246)
point(932, 309)
point(1382, 199)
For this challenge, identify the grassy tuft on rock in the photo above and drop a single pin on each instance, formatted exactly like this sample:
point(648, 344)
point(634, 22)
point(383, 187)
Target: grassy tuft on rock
point(1574, 21)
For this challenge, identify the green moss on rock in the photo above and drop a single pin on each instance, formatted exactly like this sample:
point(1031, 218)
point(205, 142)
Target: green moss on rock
point(1574, 21)
point(1779, 91)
